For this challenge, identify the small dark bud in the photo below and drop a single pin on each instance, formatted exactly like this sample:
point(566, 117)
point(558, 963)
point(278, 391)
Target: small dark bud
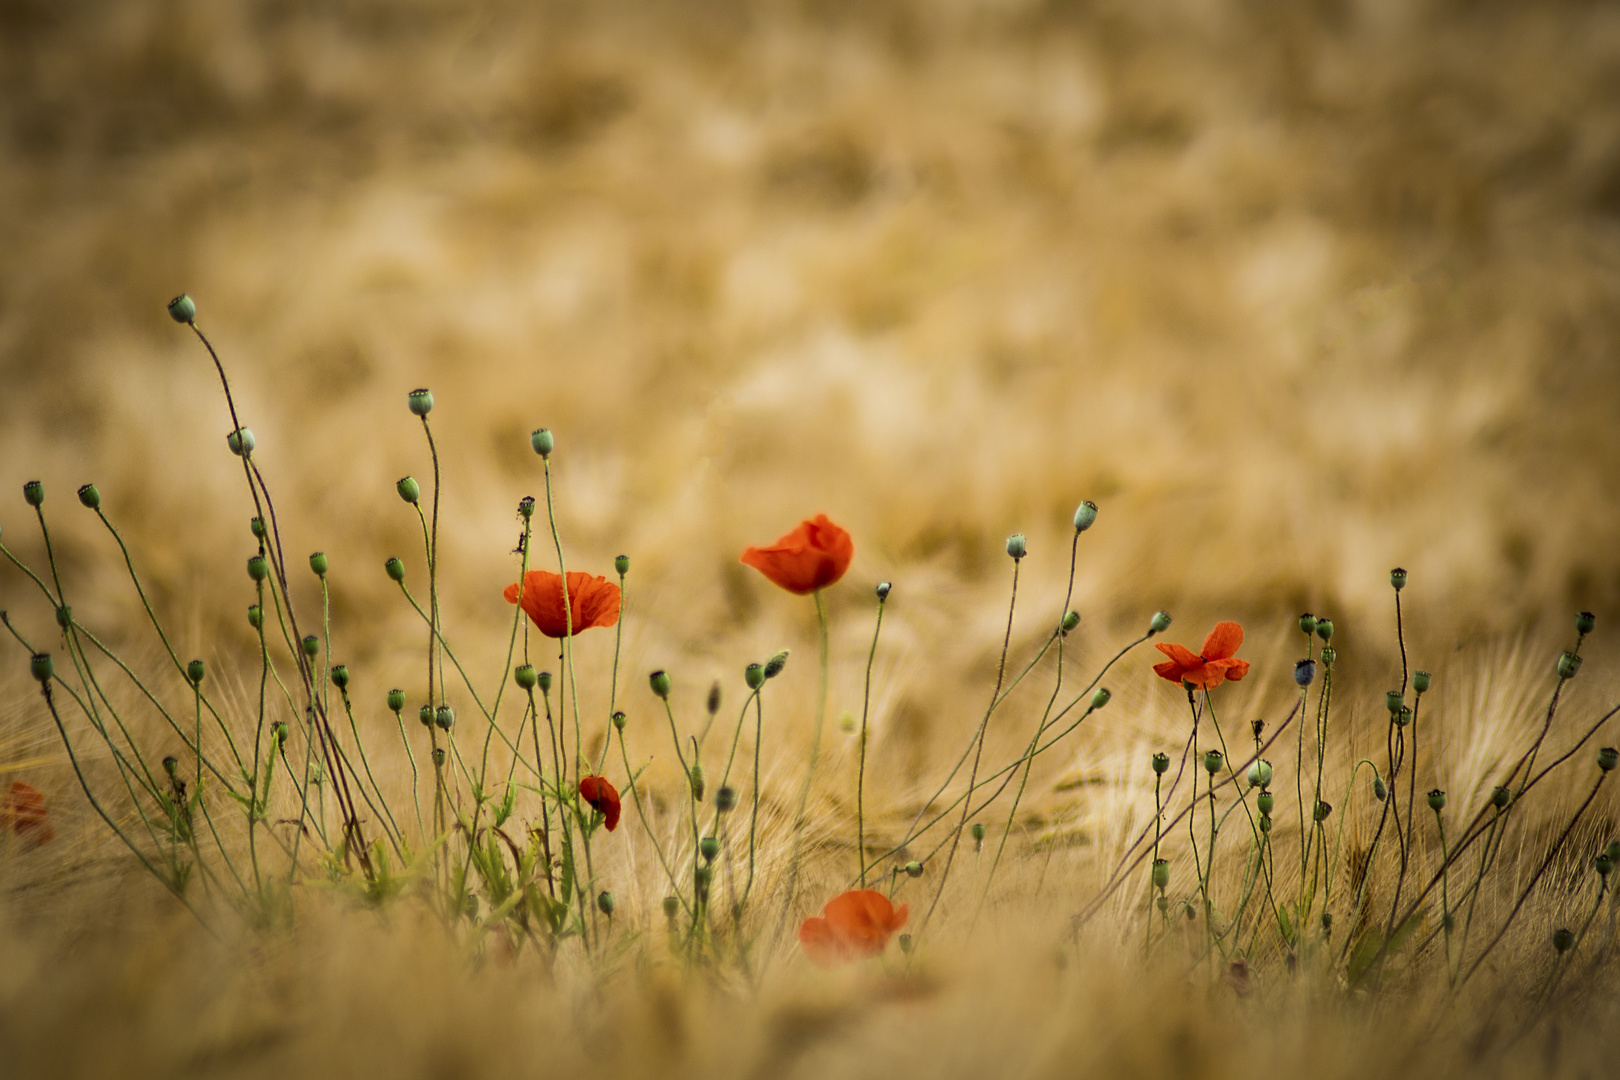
point(1324, 629)
point(1084, 515)
point(1265, 822)
point(41, 667)
point(659, 681)
point(709, 847)
point(312, 645)
point(1265, 801)
point(1161, 763)
point(604, 903)
point(1568, 665)
point(1500, 797)
point(1305, 672)
point(1070, 621)
point(1380, 789)
point(241, 441)
point(1421, 681)
point(1161, 873)
point(883, 589)
point(1100, 697)
point(171, 765)
point(1016, 547)
point(396, 700)
point(395, 568)
point(1397, 579)
point(621, 564)
point(1160, 623)
point(340, 676)
point(1584, 623)
point(1603, 864)
point(90, 497)
point(183, 310)
point(713, 704)
point(1322, 811)
point(1608, 758)
point(1437, 800)
point(425, 714)
point(409, 489)
point(195, 671)
point(1307, 624)
point(445, 717)
point(1213, 761)
point(1563, 940)
point(914, 869)
point(542, 442)
point(1327, 922)
point(1393, 701)
point(545, 682)
point(672, 907)
point(317, 563)
point(618, 719)
point(725, 799)
point(420, 402)
point(34, 493)
point(524, 676)
point(1258, 727)
point(774, 666)
point(526, 507)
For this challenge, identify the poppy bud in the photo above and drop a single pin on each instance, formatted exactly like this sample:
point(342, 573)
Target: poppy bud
point(713, 704)
point(1016, 547)
point(1305, 672)
point(545, 682)
point(622, 565)
point(1608, 758)
point(41, 667)
point(1403, 717)
point(709, 847)
point(1563, 940)
point(195, 672)
point(395, 568)
point(1161, 763)
point(672, 907)
point(754, 676)
point(906, 943)
point(1259, 774)
point(1100, 697)
point(1421, 681)
point(255, 616)
point(1307, 624)
point(1160, 623)
point(64, 616)
point(425, 714)
point(1265, 801)
point(1568, 665)
point(1163, 904)
point(340, 676)
point(695, 776)
point(90, 497)
point(1212, 762)
point(1437, 800)
point(700, 880)
point(183, 309)
point(1397, 579)
point(1265, 821)
point(618, 720)
point(258, 569)
point(396, 700)
point(256, 525)
point(1603, 864)
point(659, 681)
point(409, 489)
point(171, 765)
point(774, 666)
point(883, 588)
point(913, 869)
point(278, 731)
point(524, 676)
point(1322, 811)
point(438, 756)
point(312, 645)
point(604, 903)
point(1070, 621)
point(420, 402)
point(1584, 623)
point(1084, 515)
point(1500, 797)
point(1161, 873)
point(1393, 701)
point(445, 717)
point(526, 507)
point(1380, 790)
point(241, 441)
point(1324, 629)
point(1329, 655)
point(725, 799)
point(978, 836)
point(542, 442)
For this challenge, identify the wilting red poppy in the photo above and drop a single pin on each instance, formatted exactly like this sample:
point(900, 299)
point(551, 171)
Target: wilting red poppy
point(603, 797)
point(811, 557)
point(594, 601)
point(1208, 668)
point(853, 926)
point(23, 810)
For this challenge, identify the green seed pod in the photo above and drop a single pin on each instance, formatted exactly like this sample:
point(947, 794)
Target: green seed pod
point(659, 681)
point(542, 442)
point(64, 616)
point(1329, 655)
point(41, 667)
point(725, 799)
point(1563, 940)
point(317, 563)
point(913, 869)
point(1584, 623)
point(1324, 629)
point(1380, 790)
point(34, 493)
point(621, 564)
point(408, 489)
point(445, 717)
point(754, 676)
point(1568, 665)
point(1259, 774)
point(1016, 547)
point(672, 907)
point(420, 402)
point(695, 777)
point(340, 676)
point(774, 666)
point(1322, 810)
point(906, 943)
point(1397, 579)
point(396, 700)
point(90, 497)
point(256, 525)
point(425, 714)
point(978, 835)
point(1265, 823)
point(1421, 681)
point(258, 569)
point(1608, 758)
point(1307, 624)
point(1327, 922)
point(1393, 701)
point(713, 703)
point(618, 720)
point(1100, 697)
point(1160, 623)
point(278, 731)
point(1437, 800)
point(1084, 515)
point(1304, 673)
point(1161, 763)
point(1500, 797)
point(183, 309)
point(1213, 761)
point(312, 645)
point(1403, 717)
point(709, 847)
point(524, 676)
point(438, 757)
point(171, 765)
point(1265, 801)
point(395, 569)
point(256, 616)
point(241, 442)
point(545, 682)
point(1603, 864)
point(604, 903)
point(700, 879)
point(1070, 621)
point(883, 590)
point(1163, 904)
point(1161, 873)
point(195, 671)
point(526, 508)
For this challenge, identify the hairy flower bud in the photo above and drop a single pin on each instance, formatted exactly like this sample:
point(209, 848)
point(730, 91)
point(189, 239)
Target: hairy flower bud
point(695, 776)
point(1380, 789)
point(713, 703)
point(604, 903)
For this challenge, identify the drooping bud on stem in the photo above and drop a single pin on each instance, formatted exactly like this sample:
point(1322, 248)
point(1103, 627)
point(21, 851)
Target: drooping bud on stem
point(1160, 623)
point(395, 568)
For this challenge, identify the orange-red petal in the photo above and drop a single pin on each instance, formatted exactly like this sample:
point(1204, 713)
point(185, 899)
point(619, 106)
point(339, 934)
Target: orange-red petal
point(1169, 670)
point(820, 944)
point(814, 555)
point(1179, 653)
point(592, 601)
point(854, 925)
point(1223, 641)
point(603, 797)
point(23, 811)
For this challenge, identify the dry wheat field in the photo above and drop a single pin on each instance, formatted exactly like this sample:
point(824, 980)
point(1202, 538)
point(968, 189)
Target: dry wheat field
point(806, 538)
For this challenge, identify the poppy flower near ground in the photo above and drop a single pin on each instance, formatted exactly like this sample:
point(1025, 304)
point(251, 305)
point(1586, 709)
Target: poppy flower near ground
point(1208, 668)
point(853, 926)
point(603, 797)
point(592, 599)
point(812, 556)
point(23, 810)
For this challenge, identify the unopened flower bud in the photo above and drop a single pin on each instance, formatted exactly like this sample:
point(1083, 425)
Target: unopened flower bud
point(907, 944)
point(1380, 789)
point(1322, 811)
point(618, 719)
point(1393, 701)
point(89, 496)
point(672, 907)
point(1161, 763)
point(621, 564)
point(604, 903)
point(420, 402)
point(709, 847)
point(1163, 903)
point(754, 676)
point(195, 671)
point(1161, 873)
point(241, 441)
point(340, 676)
point(1403, 717)
point(1212, 761)
point(1329, 655)
point(977, 832)
point(695, 776)
point(1016, 547)
point(1500, 797)
point(317, 563)
point(1421, 681)
point(183, 309)
point(659, 681)
point(1608, 758)
point(1568, 665)
point(1307, 624)
point(256, 616)
point(409, 489)
point(713, 704)
point(914, 869)
point(526, 507)
point(395, 568)
point(1084, 515)
point(445, 717)
point(1305, 672)
point(1265, 823)
point(34, 493)
point(171, 765)
point(1437, 800)
point(1099, 698)
point(42, 667)
point(1160, 623)
point(1324, 629)
point(774, 666)
point(425, 714)
point(1070, 621)
point(545, 682)
point(396, 700)
point(883, 590)
point(1397, 579)
point(1584, 623)
point(1265, 801)
point(1259, 774)
point(256, 525)
point(1563, 940)
point(725, 799)
point(524, 676)
point(542, 441)
point(312, 645)
point(258, 569)
point(1327, 922)
point(278, 731)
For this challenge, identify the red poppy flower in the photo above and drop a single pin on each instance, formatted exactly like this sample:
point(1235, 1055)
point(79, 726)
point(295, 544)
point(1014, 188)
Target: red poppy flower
point(811, 557)
point(1208, 668)
point(23, 810)
point(853, 926)
point(602, 796)
point(594, 601)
